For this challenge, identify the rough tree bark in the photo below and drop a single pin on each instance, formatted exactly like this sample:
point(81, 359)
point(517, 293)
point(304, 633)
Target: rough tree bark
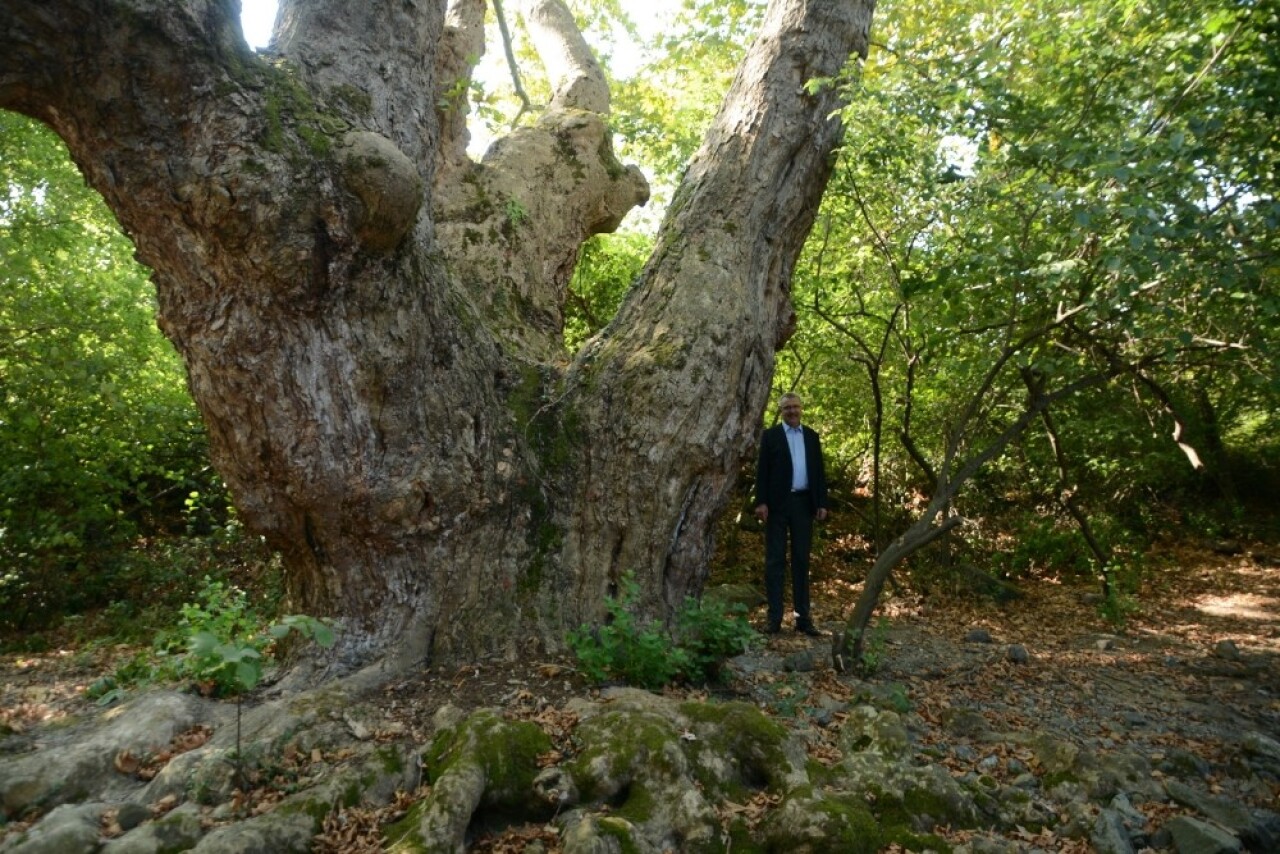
point(371, 321)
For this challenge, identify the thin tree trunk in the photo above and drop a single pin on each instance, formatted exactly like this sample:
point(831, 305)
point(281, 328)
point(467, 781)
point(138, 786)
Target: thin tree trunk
point(1068, 493)
point(847, 650)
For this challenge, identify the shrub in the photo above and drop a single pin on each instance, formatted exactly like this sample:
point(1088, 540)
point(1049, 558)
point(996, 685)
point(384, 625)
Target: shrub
point(711, 632)
point(220, 643)
point(646, 655)
point(99, 437)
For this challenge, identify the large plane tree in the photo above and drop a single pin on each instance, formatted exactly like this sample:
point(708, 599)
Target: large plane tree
point(371, 321)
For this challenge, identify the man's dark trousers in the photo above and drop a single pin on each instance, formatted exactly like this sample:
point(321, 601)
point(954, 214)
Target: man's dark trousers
point(796, 518)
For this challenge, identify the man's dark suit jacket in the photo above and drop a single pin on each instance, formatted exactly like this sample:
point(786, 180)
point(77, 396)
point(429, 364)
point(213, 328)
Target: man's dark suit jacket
point(773, 472)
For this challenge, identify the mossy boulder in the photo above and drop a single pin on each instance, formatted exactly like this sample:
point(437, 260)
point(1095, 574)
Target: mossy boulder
point(486, 761)
point(876, 730)
point(827, 823)
point(632, 762)
point(918, 798)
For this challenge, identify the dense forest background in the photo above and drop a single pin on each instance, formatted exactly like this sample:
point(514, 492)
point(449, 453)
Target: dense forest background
point(1042, 290)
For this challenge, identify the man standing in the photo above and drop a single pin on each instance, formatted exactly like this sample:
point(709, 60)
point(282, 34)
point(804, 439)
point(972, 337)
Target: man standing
point(791, 491)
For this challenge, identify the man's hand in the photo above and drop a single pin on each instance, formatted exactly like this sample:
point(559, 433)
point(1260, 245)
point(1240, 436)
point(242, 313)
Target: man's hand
point(822, 514)
point(762, 512)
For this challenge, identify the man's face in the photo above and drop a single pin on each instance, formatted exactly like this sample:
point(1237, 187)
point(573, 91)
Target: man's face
point(791, 410)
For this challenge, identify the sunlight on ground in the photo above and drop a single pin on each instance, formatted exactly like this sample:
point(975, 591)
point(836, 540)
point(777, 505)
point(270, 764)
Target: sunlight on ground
point(1241, 606)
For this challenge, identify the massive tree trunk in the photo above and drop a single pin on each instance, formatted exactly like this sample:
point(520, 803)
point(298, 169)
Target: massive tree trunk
point(371, 322)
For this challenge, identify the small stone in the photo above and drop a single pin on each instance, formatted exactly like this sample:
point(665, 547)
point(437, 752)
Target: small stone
point(1027, 781)
point(69, 827)
point(1224, 812)
point(1135, 718)
point(1227, 547)
point(799, 662)
point(447, 717)
point(1227, 650)
point(357, 728)
point(1183, 763)
point(826, 708)
point(1261, 745)
point(978, 636)
point(556, 787)
point(1018, 654)
point(1121, 804)
point(965, 722)
point(1110, 835)
point(1192, 835)
point(131, 815)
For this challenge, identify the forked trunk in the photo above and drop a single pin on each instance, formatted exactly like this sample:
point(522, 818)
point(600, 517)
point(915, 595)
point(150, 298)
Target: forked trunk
point(371, 322)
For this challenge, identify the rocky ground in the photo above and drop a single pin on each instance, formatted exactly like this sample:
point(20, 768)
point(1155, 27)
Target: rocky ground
point(1175, 715)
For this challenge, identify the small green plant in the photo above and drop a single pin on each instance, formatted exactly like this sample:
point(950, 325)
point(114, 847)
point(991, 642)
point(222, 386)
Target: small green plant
point(110, 688)
point(787, 696)
point(234, 665)
point(873, 647)
point(517, 213)
point(1117, 608)
point(897, 698)
point(220, 643)
point(226, 641)
point(226, 648)
point(1043, 543)
point(1118, 602)
point(647, 656)
point(221, 639)
point(623, 648)
point(711, 632)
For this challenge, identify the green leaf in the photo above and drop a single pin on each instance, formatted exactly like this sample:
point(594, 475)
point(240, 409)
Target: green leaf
point(203, 644)
point(247, 674)
point(324, 635)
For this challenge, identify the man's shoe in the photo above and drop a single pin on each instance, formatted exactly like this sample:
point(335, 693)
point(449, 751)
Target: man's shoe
point(772, 630)
point(811, 631)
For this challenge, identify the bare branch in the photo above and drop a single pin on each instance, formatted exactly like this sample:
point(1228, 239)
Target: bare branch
point(508, 50)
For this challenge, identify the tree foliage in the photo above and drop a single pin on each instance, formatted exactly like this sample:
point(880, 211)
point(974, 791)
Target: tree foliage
point(1047, 264)
point(99, 440)
point(1099, 174)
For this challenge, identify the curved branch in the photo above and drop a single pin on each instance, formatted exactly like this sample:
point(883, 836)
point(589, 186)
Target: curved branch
point(1179, 434)
point(1068, 494)
point(847, 649)
point(697, 335)
point(383, 49)
point(538, 194)
point(577, 80)
point(509, 51)
point(461, 46)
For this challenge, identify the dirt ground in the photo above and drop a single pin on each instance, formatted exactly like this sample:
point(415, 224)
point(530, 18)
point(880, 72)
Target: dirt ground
point(1197, 665)
point(1199, 660)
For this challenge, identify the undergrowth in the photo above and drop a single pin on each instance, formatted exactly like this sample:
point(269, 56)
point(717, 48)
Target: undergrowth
point(220, 644)
point(646, 654)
